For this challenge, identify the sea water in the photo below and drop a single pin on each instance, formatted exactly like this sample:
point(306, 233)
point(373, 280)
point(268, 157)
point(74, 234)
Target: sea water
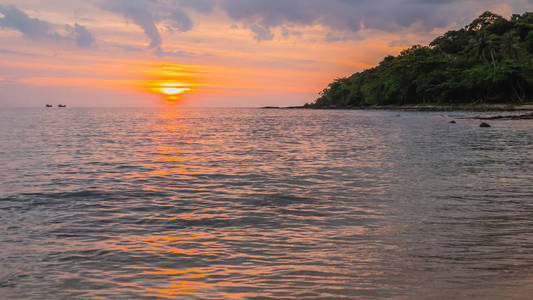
point(139, 203)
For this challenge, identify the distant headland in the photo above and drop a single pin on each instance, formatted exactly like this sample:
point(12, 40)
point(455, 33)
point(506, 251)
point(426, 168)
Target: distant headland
point(486, 65)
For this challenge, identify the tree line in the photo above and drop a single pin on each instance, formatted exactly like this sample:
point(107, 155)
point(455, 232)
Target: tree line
point(488, 61)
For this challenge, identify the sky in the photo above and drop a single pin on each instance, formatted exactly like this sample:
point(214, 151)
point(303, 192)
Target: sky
point(223, 53)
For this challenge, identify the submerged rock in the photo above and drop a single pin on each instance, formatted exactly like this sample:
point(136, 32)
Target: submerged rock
point(484, 125)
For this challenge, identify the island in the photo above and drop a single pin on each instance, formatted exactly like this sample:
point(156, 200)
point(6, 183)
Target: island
point(487, 64)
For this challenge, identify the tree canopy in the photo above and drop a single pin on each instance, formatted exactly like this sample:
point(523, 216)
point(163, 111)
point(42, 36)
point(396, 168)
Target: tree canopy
point(488, 61)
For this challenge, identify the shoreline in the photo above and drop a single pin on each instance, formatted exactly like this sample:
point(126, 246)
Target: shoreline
point(429, 108)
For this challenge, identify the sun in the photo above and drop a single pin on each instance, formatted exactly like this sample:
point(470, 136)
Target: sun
point(173, 90)
point(172, 83)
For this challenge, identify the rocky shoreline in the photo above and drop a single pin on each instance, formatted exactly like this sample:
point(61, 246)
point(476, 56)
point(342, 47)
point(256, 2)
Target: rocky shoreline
point(528, 116)
point(466, 107)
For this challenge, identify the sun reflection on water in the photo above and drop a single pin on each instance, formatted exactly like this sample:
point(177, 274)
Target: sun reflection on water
point(186, 281)
point(200, 226)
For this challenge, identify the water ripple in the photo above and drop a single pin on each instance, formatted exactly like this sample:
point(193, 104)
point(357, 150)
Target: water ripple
point(257, 204)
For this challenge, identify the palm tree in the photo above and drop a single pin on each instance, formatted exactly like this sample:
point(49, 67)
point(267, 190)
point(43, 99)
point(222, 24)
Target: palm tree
point(510, 45)
point(484, 47)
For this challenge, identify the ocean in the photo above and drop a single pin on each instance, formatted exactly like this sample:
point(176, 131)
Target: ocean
point(182, 203)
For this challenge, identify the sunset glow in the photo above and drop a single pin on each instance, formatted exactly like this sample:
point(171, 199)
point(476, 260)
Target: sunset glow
point(266, 149)
point(206, 53)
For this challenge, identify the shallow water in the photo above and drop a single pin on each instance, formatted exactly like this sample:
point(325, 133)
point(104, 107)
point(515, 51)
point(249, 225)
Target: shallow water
point(249, 203)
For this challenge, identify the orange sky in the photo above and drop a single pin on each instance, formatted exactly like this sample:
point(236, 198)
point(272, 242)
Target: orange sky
point(199, 52)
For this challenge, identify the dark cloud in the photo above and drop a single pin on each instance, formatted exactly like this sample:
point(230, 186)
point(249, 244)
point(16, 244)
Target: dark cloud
point(342, 18)
point(201, 6)
point(261, 16)
point(261, 32)
point(148, 13)
point(335, 14)
point(83, 37)
point(15, 18)
point(34, 28)
point(140, 13)
point(287, 32)
point(180, 20)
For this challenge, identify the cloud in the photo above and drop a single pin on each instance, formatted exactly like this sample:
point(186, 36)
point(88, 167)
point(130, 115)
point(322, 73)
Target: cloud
point(82, 36)
point(262, 32)
point(15, 18)
point(180, 20)
point(341, 18)
point(330, 37)
point(139, 12)
point(179, 54)
point(287, 32)
point(261, 16)
point(399, 43)
point(19, 53)
point(34, 28)
point(148, 13)
point(201, 6)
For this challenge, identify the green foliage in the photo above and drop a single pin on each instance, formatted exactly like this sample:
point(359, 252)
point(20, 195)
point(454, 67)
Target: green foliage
point(488, 61)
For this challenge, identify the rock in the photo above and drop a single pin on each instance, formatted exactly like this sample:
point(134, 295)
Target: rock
point(453, 122)
point(484, 125)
